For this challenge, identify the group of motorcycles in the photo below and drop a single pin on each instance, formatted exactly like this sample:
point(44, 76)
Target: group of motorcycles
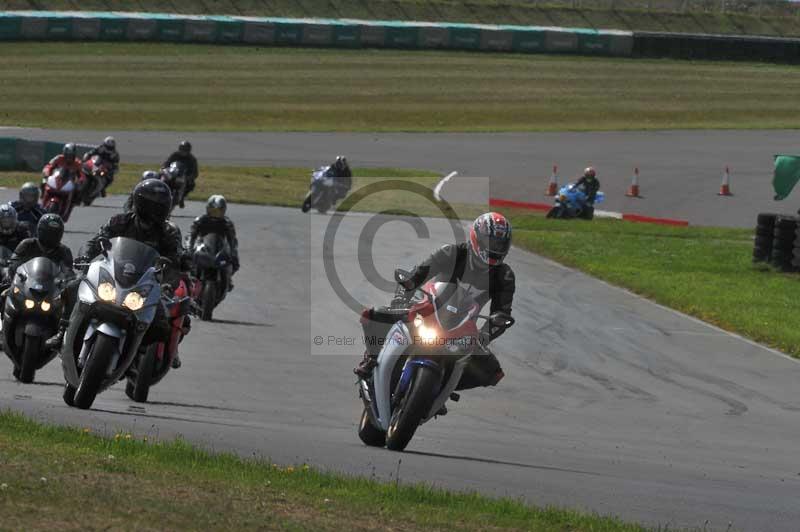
point(116, 303)
point(63, 189)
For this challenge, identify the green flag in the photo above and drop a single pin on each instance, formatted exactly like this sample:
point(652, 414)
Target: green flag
point(787, 174)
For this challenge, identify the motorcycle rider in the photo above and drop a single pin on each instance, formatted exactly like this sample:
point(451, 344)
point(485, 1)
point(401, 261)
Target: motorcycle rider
point(148, 223)
point(147, 174)
point(27, 206)
point(478, 264)
point(342, 176)
point(589, 184)
point(215, 221)
point(185, 157)
point(11, 231)
point(107, 151)
point(46, 243)
point(67, 160)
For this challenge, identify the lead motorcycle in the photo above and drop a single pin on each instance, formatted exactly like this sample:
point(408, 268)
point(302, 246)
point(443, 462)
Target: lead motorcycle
point(175, 178)
point(321, 191)
point(31, 313)
point(117, 302)
point(213, 267)
point(572, 202)
point(421, 363)
point(154, 361)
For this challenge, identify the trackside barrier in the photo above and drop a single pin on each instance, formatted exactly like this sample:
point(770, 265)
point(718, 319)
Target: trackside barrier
point(345, 33)
point(30, 155)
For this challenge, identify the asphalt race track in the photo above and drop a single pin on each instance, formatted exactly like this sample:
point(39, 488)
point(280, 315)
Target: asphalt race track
point(680, 170)
point(611, 403)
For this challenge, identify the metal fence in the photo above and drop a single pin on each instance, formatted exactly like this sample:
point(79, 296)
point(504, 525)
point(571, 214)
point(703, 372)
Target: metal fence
point(766, 8)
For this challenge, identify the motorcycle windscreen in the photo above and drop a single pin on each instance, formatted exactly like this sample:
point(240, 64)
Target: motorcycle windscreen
point(216, 244)
point(41, 273)
point(131, 260)
point(453, 305)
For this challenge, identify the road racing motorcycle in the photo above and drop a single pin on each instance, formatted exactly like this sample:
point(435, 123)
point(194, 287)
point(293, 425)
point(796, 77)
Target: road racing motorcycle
point(117, 302)
point(154, 361)
point(571, 202)
point(175, 178)
point(31, 313)
point(421, 363)
point(322, 193)
point(213, 267)
point(96, 174)
point(59, 191)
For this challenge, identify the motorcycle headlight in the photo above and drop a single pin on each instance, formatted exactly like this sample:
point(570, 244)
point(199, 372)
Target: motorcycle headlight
point(428, 334)
point(16, 290)
point(133, 301)
point(29, 304)
point(417, 321)
point(45, 306)
point(107, 292)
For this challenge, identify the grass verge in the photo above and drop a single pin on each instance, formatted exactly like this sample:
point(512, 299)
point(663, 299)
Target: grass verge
point(161, 86)
point(779, 18)
point(60, 478)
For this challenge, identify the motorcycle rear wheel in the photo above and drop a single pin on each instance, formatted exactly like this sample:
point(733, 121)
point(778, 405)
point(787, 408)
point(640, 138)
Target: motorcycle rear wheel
point(369, 433)
point(31, 348)
point(94, 371)
point(412, 409)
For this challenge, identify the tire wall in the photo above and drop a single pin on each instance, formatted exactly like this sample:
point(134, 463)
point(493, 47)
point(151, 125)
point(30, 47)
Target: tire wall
point(31, 155)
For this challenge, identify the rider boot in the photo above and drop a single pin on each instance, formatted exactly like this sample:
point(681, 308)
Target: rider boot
point(365, 367)
point(54, 342)
point(176, 361)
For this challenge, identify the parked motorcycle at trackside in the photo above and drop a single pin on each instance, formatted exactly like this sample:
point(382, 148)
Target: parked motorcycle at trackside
point(213, 267)
point(31, 315)
point(154, 361)
point(421, 363)
point(96, 174)
point(59, 193)
point(572, 202)
point(322, 191)
point(117, 301)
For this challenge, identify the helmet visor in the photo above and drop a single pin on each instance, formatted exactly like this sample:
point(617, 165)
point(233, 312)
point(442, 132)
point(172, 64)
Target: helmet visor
point(152, 211)
point(215, 212)
point(496, 248)
point(7, 225)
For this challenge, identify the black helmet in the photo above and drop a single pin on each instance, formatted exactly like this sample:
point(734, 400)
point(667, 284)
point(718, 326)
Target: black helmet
point(29, 194)
point(152, 201)
point(8, 219)
point(69, 150)
point(49, 230)
point(216, 206)
point(185, 146)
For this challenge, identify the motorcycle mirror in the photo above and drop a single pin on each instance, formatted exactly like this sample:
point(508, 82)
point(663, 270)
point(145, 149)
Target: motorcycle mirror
point(105, 246)
point(22, 276)
point(401, 276)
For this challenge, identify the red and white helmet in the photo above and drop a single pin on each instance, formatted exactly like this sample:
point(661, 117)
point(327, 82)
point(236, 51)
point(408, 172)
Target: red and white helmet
point(490, 238)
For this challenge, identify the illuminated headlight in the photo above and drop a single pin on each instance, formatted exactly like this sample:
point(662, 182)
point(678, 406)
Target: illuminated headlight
point(46, 306)
point(426, 333)
point(417, 320)
point(133, 301)
point(107, 292)
point(16, 290)
point(29, 304)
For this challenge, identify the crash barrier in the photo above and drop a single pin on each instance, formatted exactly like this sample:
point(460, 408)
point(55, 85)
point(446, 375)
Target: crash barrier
point(728, 47)
point(345, 33)
point(30, 155)
point(777, 241)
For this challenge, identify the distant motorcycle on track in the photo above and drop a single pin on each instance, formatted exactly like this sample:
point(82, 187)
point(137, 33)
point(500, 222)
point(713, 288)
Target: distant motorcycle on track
point(571, 202)
point(322, 193)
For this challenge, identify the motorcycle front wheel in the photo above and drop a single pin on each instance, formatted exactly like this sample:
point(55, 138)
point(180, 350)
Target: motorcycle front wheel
point(412, 408)
point(209, 300)
point(95, 370)
point(31, 347)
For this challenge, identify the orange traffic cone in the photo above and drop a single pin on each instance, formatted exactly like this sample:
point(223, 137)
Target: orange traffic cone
point(633, 191)
point(725, 188)
point(552, 187)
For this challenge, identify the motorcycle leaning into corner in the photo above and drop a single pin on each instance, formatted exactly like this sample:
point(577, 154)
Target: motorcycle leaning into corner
point(96, 174)
point(175, 177)
point(31, 314)
point(213, 267)
point(117, 301)
point(322, 192)
point(154, 361)
point(571, 202)
point(59, 193)
point(422, 361)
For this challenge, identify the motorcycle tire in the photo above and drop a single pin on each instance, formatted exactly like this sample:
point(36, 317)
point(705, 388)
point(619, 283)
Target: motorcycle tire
point(323, 207)
point(587, 213)
point(69, 395)
point(208, 298)
point(306, 203)
point(94, 371)
point(552, 213)
point(412, 408)
point(144, 373)
point(369, 433)
point(31, 348)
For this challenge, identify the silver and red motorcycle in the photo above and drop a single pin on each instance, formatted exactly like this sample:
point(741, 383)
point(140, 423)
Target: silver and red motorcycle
point(422, 360)
point(116, 304)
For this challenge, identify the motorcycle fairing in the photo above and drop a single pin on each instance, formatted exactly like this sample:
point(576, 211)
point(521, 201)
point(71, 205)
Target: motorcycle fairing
point(397, 342)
